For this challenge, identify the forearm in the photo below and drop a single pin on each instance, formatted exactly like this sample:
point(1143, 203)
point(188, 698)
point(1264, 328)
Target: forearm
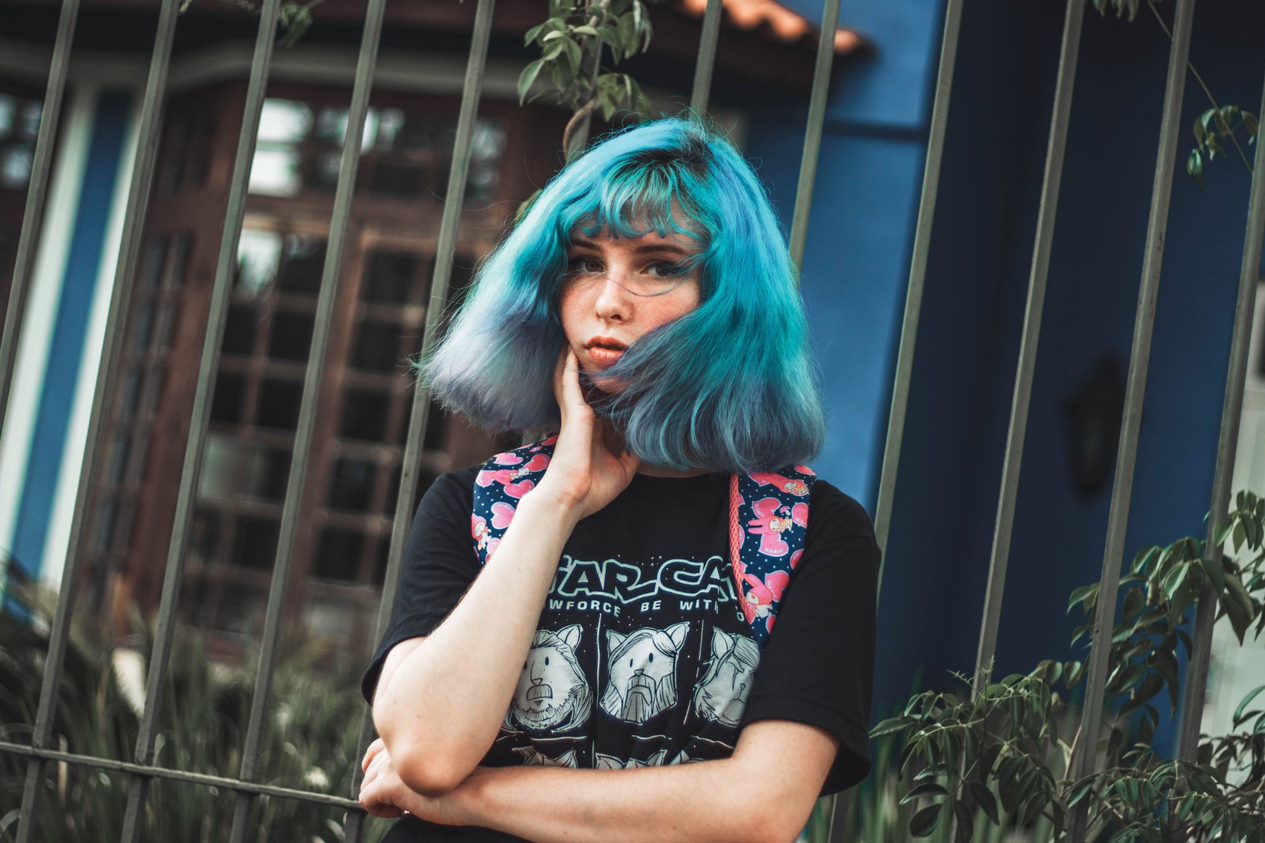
point(434, 705)
point(712, 800)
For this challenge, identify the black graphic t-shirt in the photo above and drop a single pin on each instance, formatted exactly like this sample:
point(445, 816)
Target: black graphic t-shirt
point(642, 656)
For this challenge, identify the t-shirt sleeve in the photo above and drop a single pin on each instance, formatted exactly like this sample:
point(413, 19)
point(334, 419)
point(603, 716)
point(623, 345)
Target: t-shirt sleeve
point(818, 665)
point(439, 566)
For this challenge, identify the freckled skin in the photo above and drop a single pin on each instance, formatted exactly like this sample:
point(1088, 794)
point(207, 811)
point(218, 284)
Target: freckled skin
point(607, 309)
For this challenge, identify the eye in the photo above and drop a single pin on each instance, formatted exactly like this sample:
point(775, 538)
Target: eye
point(666, 269)
point(651, 658)
point(546, 661)
point(630, 662)
point(584, 265)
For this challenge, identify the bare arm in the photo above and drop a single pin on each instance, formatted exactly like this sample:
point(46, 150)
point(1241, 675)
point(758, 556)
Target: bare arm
point(441, 699)
point(764, 793)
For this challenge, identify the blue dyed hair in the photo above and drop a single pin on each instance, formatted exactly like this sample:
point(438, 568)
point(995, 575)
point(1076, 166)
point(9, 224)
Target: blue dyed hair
point(728, 387)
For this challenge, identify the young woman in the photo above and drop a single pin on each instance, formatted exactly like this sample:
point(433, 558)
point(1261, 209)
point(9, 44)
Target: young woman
point(583, 645)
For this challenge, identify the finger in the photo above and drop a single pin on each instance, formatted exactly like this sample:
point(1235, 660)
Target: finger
point(372, 751)
point(372, 801)
point(571, 391)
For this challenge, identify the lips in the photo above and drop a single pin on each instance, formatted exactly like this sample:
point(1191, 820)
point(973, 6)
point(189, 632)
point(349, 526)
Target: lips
point(605, 351)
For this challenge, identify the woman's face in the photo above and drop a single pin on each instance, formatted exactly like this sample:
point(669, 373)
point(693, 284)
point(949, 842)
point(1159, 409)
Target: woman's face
point(618, 290)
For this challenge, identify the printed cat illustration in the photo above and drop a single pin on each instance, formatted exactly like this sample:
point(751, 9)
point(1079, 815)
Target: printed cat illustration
point(610, 762)
point(552, 691)
point(642, 679)
point(721, 694)
point(533, 757)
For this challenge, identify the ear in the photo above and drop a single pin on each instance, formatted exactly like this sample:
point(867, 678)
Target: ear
point(570, 635)
point(677, 633)
point(613, 640)
point(721, 643)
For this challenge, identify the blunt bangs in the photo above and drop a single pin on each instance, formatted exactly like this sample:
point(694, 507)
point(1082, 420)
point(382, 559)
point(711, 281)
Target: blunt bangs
point(728, 387)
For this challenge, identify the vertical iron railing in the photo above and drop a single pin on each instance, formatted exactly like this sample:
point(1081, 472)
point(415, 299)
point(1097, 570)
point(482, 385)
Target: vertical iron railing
point(1227, 445)
point(36, 195)
point(261, 60)
point(294, 494)
point(1041, 248)
point(445, 251)
point(1135, 393)
point(133, 221)
point(903, 374)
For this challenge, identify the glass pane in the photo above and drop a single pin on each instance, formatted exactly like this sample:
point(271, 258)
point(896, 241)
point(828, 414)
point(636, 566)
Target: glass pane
point(240, 328)
point(398, 180)
point(255, 544)
point(352, 486)
point(279, 404)
point(291, 336)
point(338, 556)
point(205, 539)
point(269, 472)
point(222, 467)
point(377, 347)
point(301, 266)
point(258, 257)
point(229, 397)
point(364, 415)
point(389, 277)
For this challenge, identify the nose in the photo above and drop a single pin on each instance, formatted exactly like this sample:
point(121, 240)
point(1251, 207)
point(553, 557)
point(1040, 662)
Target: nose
point(613, 302)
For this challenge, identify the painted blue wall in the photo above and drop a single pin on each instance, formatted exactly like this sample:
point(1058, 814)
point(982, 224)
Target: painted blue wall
point(855, 275)
point(109, 130)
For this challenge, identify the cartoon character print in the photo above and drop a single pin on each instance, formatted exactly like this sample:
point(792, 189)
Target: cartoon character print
point(533, 757)
point(788, 485)
point(773, 518)
point(762, 594)
point(642, 680)
point(552, 691)
point(721, 695)
point(610, 762)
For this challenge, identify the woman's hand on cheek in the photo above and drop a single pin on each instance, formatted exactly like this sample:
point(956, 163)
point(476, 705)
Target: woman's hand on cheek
point(585, 471)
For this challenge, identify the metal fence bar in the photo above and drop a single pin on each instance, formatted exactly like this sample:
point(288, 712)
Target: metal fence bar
point(706, 58)
point(36, 193)
point(445, 250)
point(133, 220)
point(149, 770)
point(1046, 215)
point(812, 132)
point(195, 445)
point(331, 272)
point(1135, 394)
point(917, 278)
point(909, 323)
point(1231, 412)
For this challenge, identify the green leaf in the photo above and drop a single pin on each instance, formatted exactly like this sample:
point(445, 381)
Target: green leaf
point(1195, 167)
point(527, 78)
point(966, 821)
point(1239, 709)
point(1080, 595)
point(924, 789)
point(925, 821)
point(1215, 572)
point(986, 801)
point(890, 726)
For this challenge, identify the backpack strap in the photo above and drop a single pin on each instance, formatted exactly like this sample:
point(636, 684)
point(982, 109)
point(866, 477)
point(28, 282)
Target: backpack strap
point(768, 525)
point(768, 521)
point(499, 486)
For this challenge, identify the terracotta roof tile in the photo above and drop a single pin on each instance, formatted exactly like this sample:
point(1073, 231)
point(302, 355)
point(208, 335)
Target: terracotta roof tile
point(780, 21)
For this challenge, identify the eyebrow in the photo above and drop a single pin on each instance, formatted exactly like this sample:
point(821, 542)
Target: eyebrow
point(644, 249)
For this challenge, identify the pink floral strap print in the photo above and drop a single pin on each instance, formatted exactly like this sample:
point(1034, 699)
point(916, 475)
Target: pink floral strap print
point(768, 514)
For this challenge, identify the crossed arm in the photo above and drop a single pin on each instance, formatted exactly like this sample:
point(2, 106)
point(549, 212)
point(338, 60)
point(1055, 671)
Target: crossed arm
point(764, 793)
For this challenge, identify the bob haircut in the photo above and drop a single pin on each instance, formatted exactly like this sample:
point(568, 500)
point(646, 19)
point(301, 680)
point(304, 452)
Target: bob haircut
point(728, 387)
